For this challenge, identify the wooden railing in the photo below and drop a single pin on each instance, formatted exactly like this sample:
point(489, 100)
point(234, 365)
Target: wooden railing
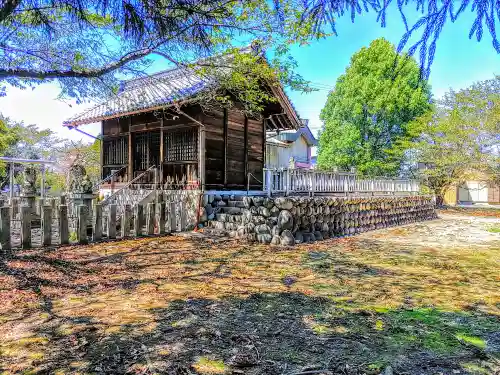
point(292, 181)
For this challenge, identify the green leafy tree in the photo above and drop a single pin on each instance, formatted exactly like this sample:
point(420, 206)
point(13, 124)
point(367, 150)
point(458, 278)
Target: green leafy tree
point(457, 140)
point(7, 139)
point(369, 109)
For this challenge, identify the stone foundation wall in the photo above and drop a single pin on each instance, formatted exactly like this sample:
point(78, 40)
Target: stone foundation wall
point(291, 220)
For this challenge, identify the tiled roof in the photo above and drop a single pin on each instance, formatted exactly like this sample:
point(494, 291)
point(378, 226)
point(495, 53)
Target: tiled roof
point(144, 94)
point(161, 90)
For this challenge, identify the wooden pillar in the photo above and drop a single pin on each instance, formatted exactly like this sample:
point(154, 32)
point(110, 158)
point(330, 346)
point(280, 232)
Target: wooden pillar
point(63, 224)
point(201, 157)
point(81, 226)
point(138, 219)
point(46, 225)
point(263, 143)
point(26, 227)
point(97, 223)
point(101, 153)
point(130, 169)
point(245, 148)
point(112, 221)
point(162, 152)
point(226, 131)
point(5, 243)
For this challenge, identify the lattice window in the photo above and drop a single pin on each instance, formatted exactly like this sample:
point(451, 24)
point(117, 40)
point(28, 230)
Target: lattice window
point(115, 151)
point(146, 150)
point(154, 148)
point(181, 145)
point(141, 151)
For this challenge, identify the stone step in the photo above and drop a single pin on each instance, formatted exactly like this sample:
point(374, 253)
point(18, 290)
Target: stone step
point(233, 203)
point(231, 210)
point(228, 218)
point(214, 232)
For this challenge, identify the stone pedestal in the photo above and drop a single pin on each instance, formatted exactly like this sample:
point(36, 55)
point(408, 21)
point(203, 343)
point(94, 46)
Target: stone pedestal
point(74, 200)
point(77, 199)
point(28, 200)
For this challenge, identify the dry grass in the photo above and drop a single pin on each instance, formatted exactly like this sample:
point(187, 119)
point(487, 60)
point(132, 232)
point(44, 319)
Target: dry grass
point(407, 296)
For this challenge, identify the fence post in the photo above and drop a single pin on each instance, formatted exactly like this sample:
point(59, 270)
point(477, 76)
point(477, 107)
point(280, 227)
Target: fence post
point(172, 217)
point(5, 243)
point(313, 182)
point(150, 219)
point(112, 222)
point(268, 180)
point(183, 214)
point(288, 180)
point(46, 225)
point(138, 219)
point(97, 229)
point(81, 224)
point(14, 204)
point(63, 225)
point(26, 227)
point(162, 218)
point(126, 221)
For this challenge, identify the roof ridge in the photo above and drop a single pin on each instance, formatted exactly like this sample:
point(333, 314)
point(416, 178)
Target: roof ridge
point(168, 73)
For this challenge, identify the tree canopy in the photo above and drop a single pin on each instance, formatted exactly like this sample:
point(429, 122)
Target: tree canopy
point(87, 46)
point(369, 109)
point(458, 139)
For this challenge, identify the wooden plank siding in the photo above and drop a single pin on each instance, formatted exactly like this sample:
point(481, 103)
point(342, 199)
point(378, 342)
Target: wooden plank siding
point(214, 147)
point(235, 150)
point(256, 149)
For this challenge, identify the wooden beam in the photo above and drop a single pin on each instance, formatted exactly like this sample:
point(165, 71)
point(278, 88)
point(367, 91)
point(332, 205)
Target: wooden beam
point(272, 123)
point(278, 117)
point(130, 170)
point(226, 130)
point(101, 156)
point(160, 180)
point(263, 143)
point(245, 147)
point(201, 157)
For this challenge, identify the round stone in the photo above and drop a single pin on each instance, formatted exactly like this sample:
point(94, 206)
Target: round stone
point(287, 238)
point(285, 220)
point(276, 240)
point(283, 203)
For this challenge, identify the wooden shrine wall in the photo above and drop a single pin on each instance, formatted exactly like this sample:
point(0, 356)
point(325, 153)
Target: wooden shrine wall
point(234, 147)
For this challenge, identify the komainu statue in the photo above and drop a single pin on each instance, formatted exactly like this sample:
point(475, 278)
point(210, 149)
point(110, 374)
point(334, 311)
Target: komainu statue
point(79, 181)
point(29, 176)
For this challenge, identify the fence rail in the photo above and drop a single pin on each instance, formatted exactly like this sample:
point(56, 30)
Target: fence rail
point(293, 181)
point(21, 227)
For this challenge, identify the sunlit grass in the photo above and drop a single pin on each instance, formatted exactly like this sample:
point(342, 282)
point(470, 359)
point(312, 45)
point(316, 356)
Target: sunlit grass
point(397, 297)
point(494, 229)
point(209, 366)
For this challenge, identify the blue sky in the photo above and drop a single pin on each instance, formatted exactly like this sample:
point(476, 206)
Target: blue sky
point(458, 63)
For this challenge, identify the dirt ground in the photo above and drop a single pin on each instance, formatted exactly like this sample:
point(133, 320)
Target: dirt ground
point(418, 299)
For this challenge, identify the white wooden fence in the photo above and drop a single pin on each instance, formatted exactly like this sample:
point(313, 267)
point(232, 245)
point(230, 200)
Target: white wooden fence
point(293, 181)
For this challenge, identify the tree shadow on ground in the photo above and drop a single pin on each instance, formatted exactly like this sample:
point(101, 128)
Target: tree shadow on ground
point(180, 307)
point(273, 333)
